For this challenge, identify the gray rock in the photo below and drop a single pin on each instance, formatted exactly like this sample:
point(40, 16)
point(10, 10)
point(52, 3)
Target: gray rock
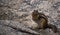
point(17, 14)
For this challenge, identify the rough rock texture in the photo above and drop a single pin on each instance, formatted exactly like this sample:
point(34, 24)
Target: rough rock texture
point(10, 27)
point(13, 13)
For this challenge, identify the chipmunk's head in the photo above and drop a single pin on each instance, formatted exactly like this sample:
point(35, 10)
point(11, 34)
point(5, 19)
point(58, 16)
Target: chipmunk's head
point(35, 14)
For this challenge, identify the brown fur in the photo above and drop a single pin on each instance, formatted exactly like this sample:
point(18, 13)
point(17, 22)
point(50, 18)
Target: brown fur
point(42, 21)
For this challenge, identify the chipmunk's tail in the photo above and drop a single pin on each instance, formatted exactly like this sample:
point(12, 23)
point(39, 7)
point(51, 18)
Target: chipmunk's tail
point(53, 27)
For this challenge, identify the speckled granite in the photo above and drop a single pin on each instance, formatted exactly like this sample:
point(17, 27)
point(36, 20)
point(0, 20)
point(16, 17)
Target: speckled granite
point(20, 11)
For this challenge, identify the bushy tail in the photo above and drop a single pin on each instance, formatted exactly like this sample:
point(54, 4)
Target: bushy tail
point(53, 27)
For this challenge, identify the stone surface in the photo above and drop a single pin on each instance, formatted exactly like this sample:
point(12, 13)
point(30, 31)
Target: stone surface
point(19, 12)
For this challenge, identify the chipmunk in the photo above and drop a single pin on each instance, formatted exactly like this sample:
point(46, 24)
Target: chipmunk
point(42, 21)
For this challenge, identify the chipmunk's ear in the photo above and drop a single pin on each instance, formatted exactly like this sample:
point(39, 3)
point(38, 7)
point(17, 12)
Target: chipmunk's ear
point(35, 11)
